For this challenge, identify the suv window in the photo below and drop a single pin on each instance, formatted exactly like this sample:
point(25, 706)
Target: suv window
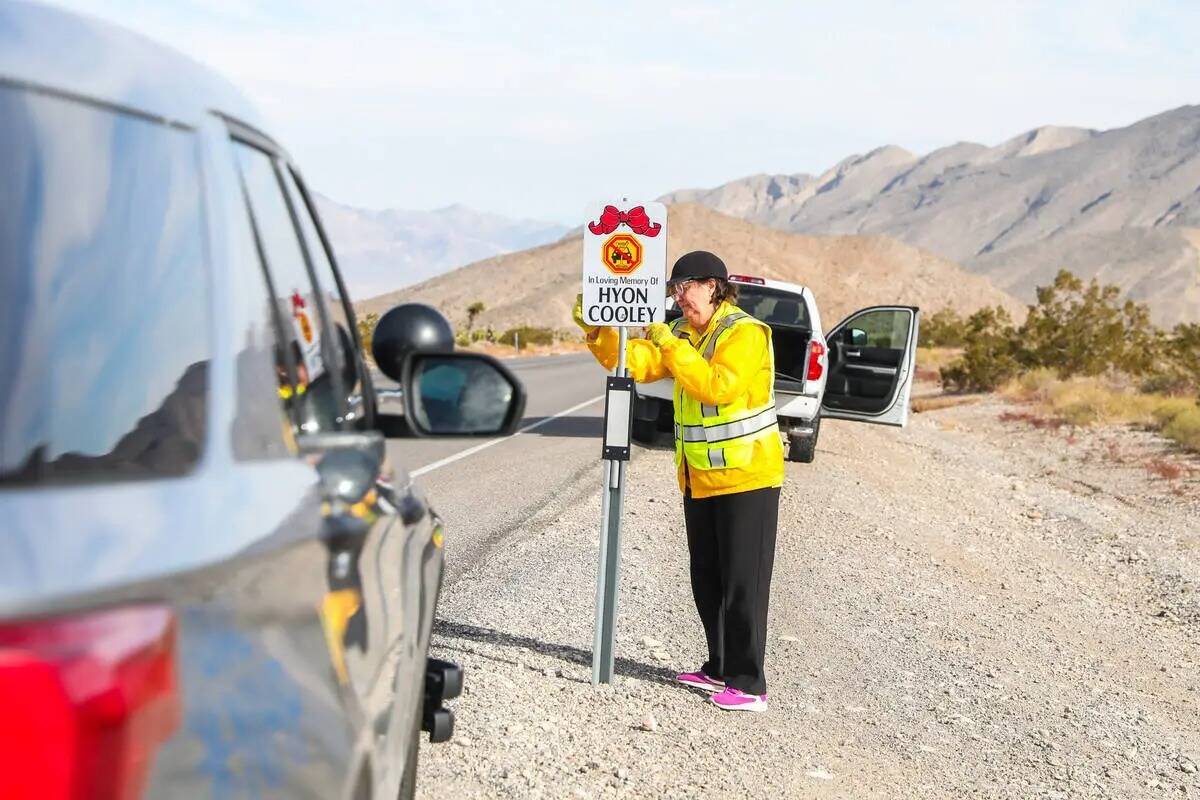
point(105, 336)
point(308, 370)
point(261, 427)
point(340, 313)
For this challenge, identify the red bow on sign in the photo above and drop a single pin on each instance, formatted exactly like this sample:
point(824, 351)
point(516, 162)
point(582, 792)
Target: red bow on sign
point(636, 218)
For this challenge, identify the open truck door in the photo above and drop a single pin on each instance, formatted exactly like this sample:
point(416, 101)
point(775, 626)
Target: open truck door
point(871, 365)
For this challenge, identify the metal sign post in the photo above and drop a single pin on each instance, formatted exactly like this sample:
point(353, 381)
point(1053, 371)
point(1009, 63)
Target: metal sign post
point(608, 574)
point(624, 284)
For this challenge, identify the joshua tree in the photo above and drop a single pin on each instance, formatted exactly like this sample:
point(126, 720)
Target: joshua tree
point(473, 311)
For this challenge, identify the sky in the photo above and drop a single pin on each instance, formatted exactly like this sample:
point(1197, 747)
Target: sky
point(536, 109)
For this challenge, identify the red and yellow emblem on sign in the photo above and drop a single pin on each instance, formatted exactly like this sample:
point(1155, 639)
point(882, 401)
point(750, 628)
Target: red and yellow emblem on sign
point(622, 254)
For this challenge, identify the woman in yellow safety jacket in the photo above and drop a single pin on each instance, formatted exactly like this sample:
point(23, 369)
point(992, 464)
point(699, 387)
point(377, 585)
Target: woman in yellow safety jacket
point(729, 459)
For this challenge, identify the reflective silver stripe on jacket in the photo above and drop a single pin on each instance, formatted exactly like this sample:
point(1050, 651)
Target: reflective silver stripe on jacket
point(716, 457)
point(725, 323)
point(743, 427)
point(727, 430)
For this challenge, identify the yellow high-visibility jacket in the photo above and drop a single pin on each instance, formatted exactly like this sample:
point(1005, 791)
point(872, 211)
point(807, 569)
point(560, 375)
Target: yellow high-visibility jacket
point(741, 368)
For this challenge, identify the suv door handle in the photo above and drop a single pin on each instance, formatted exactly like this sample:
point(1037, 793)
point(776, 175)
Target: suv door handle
point(855, 353)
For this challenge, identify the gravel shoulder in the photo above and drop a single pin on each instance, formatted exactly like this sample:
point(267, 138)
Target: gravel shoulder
point(969, 607)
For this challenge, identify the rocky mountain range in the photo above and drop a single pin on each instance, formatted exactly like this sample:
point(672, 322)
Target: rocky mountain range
point(381, 251)
point(1122, 205)
point(538, 286)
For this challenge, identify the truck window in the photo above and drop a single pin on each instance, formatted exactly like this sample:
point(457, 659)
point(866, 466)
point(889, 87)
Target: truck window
point(105, 333)
point(773, 306)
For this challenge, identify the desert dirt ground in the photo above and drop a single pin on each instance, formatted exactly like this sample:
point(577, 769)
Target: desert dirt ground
point(973, 606)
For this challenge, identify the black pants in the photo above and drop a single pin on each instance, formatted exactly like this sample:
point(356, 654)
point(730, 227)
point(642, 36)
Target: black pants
point(731, 540)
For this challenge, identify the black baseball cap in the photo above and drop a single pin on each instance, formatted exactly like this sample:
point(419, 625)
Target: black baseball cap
point(698, 265)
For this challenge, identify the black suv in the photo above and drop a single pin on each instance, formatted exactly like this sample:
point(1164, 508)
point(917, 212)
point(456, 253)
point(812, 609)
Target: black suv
point(211, 582)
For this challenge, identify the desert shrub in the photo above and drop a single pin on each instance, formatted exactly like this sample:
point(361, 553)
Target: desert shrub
point(937, 357)
point(1033, 384)
point(1184, 428)
point(944, 328)
point(1083, 401)
point(1176, 362)
point(1087, 358)
point(1073, 329)
point(529, 335)
point(1078, 329)
point(990, 353)
point(1166, 382)
point(466, 336)
point(1167, 410)
point(366, 331)
point(1086, 401)
point(930, 361)
point(1184, 347)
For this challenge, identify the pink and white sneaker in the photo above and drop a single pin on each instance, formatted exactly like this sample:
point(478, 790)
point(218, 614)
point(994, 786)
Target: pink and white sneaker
point(736, 700)
point(699, 680)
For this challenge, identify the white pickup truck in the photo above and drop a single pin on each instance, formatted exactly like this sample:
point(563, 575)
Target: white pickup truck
point(863, 370)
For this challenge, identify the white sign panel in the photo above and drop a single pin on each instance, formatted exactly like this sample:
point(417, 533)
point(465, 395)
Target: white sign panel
point(307, 336)
point(625, 264)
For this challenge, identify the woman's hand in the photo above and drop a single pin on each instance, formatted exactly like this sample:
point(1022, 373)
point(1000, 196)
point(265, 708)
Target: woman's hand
point(659, 333)
point(577, 315)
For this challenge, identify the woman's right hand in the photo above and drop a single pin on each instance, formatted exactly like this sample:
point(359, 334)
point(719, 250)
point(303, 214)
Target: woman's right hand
point(577, 315)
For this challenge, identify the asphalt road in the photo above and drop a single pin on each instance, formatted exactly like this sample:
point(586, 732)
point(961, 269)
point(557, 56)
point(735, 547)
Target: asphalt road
point(484, 488)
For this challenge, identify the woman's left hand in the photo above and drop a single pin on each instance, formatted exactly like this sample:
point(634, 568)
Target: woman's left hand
point(659, 333)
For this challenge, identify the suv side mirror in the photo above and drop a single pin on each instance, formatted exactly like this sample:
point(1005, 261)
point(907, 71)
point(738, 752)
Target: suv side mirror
point(445, 393)
point(460, 394)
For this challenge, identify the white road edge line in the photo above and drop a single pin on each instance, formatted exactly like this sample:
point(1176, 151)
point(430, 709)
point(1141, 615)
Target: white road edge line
point(416, 473)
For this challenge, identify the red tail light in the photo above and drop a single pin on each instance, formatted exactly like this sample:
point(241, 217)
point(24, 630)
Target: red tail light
point(815, 351)
point(86, 701)
point(747, 279)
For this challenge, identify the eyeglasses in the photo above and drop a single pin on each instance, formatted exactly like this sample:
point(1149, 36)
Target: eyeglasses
point(679, 287)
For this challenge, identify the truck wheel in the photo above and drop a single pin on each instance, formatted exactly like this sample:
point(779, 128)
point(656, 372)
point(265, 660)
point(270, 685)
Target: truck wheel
point(804, 448)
